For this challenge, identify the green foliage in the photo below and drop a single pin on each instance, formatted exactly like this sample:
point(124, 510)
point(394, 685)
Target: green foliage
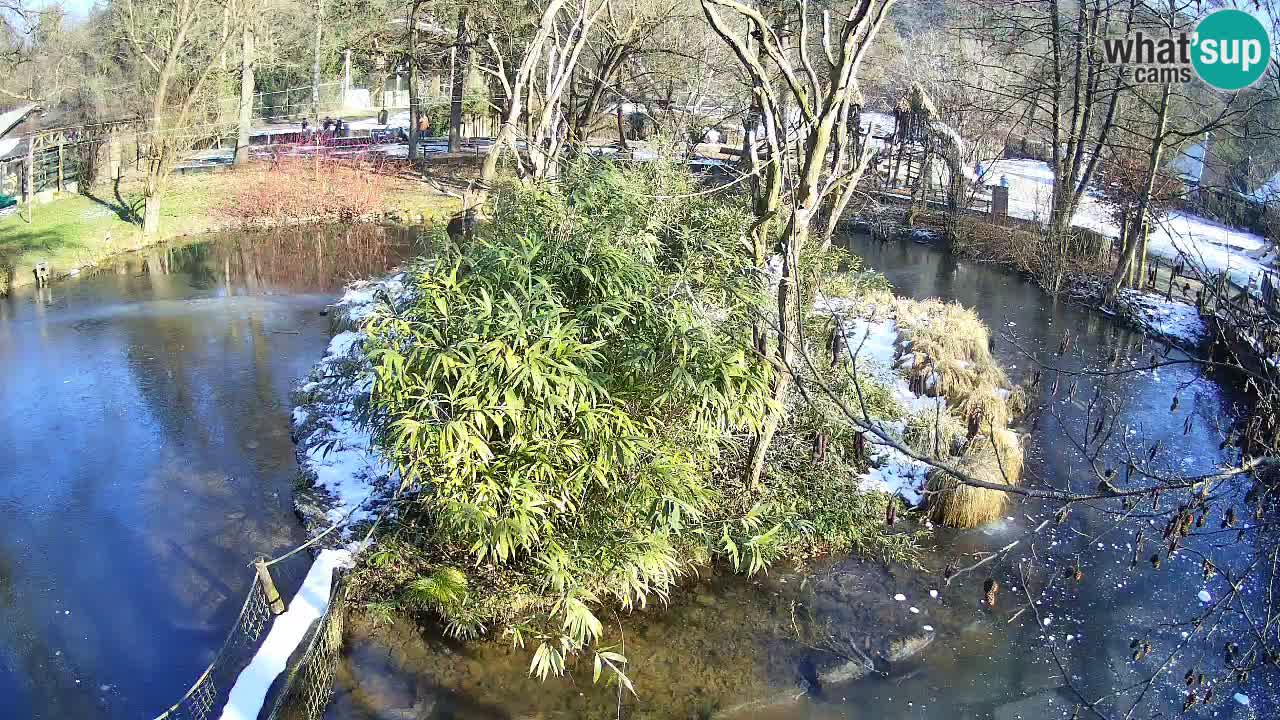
point(842, 274)
point(557, 395)
point(567, 399)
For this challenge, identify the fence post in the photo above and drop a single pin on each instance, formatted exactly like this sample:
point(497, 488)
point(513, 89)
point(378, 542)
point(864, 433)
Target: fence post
point(61, 183)
point(274, 601)
point(31, 178)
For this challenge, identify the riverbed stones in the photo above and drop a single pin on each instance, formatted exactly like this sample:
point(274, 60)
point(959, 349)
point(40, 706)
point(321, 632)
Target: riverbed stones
point(867, 629)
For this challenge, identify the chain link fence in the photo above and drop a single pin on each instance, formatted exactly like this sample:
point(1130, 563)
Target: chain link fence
point(210, 690)
point(309, 686)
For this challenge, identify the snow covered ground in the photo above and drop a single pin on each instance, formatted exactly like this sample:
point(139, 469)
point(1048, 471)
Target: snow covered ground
point(873, 348)
point(351, 481)
point(1170, 319)
point(1203, 243)
point(873, 343)
point(335, 451)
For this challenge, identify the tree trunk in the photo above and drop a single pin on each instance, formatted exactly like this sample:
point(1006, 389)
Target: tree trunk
point(246, 95)
point(515, 106)
point(1137, 246)
point(315, 65)
point(461, 66)
point(622, 129)
point(151, 212)
point(411, 55)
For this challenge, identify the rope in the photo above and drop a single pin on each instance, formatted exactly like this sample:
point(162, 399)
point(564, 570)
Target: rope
point(342, 521)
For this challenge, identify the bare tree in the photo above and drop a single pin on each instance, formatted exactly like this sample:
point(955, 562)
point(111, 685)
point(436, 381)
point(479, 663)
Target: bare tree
point(175, 51)
point(535, 76)
point(1047, 67)
point(804, 105)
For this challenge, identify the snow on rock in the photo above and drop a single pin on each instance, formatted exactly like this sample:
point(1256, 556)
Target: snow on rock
point(287, 632)
point(1204, 596)
point(358, 302)
point(348, 477)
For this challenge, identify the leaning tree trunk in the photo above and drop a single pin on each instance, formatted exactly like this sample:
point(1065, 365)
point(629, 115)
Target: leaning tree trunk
point(1138, 243)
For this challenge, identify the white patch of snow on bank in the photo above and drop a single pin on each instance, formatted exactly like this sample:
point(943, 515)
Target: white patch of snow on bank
point(358, 300)
point(1171, 319)
point(287, 631)
point(872, 347)
point(338, 451)
point(1204, 244)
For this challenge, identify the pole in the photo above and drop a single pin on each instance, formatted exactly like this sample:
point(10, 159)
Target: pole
point(246, 95)
point(315, 65)
point(31, 178)
point(458, 68)
point(274, 601)
point(346, 76)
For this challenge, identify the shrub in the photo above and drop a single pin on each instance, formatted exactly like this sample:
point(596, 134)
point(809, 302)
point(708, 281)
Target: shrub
point(301, 189)
point(995, 459)
point(557, 397)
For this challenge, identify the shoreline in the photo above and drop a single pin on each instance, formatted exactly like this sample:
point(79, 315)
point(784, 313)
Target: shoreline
point(1171, 321)
point(78, 232)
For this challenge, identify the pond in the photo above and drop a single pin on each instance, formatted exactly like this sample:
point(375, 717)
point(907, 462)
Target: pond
point(737, 647)
point(146, 458)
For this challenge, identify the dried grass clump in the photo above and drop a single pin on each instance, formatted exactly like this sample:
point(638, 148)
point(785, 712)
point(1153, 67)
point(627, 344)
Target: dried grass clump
point(955, 378)
point(984, 409)
point(951, 358)
point(996, 459)
point(941, 434)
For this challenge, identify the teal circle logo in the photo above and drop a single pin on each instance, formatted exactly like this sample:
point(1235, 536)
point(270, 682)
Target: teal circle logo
point(1231, 49)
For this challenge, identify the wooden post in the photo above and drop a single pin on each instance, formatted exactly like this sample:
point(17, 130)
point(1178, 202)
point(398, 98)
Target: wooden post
point(274, 601)
point(31, 178)
point(61, 182)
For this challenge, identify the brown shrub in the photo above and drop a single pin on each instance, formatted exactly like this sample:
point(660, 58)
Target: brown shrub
point(301, 190)
point(996, 459)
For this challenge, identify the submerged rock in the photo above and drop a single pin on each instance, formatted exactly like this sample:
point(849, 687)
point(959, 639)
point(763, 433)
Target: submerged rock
point(862, 627)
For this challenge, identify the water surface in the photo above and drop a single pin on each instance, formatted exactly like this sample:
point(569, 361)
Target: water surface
point(730, 647)
point(145, 459)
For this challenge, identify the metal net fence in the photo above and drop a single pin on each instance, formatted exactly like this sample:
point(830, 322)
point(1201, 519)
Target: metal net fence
point(309, 685)
point(208, 692)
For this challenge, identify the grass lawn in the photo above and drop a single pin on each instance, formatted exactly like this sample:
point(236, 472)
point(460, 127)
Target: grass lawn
point(76, 230)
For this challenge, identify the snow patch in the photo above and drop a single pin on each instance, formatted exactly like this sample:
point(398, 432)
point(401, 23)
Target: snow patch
point(1170, 319)
point(335, 451)
point(1208, 246)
